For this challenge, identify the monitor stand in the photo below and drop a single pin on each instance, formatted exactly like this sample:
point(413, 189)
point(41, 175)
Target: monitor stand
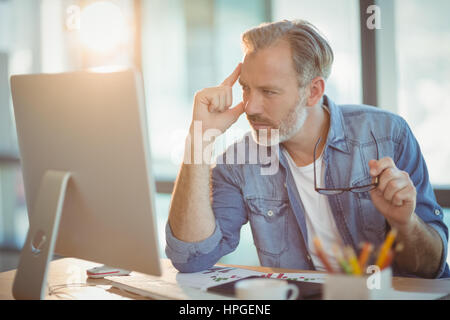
point(30, 281)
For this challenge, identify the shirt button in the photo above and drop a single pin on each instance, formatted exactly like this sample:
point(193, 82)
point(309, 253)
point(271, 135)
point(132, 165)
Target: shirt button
point(437, 212)
point(270, 213)
point(285, 185)
point(309, 257)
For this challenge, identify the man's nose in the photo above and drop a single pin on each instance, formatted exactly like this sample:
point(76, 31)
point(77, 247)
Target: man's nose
point(253, 105)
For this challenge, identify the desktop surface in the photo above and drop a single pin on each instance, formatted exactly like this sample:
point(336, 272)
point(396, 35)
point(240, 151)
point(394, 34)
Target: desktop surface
point(66, 275)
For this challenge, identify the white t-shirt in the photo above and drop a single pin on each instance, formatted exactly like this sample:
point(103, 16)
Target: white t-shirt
point(318, 215)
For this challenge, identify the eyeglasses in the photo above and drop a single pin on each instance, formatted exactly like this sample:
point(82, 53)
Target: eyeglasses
point(356, 189)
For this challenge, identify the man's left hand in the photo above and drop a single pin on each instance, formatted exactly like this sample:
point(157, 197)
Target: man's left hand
point(395, 196)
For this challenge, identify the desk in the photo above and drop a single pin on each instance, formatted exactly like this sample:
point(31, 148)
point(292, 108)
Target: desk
point(73, 271)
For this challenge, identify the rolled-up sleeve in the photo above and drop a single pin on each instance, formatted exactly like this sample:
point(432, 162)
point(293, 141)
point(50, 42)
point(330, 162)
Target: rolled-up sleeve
point(180, 251)
point(410, 159)
point(229, 211)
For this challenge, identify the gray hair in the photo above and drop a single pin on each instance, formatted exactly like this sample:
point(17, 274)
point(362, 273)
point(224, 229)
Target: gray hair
point(312, 55)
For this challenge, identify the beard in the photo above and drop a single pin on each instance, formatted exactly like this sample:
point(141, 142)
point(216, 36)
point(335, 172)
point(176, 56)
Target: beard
point(288, 127)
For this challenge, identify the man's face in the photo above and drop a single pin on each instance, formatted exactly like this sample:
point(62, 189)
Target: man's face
point(271, 93)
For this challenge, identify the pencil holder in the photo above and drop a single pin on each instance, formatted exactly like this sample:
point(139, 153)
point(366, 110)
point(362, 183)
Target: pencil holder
point(366, 287)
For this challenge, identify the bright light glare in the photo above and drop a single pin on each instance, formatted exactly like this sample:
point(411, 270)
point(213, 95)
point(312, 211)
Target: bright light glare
point(108, 69)
point(102, 26)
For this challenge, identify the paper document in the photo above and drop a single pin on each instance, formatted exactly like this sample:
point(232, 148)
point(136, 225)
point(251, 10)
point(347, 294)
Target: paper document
point(213, 277)
point(219, 275)
point(306, 277)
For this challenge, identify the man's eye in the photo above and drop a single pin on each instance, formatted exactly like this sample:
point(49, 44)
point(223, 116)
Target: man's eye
point(269, 92)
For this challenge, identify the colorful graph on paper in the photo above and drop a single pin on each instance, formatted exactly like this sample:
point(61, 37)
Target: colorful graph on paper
point(306, 277)
point(224, 274)
point(213, 276)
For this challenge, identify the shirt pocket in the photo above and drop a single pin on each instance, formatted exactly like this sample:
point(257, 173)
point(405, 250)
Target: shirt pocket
point(372, 221)
point(268, 220)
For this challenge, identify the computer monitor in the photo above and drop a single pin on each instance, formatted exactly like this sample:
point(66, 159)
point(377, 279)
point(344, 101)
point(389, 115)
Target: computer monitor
point(85, 158)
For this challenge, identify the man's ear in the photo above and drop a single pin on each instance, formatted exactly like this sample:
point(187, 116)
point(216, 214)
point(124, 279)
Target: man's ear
point(316, 91)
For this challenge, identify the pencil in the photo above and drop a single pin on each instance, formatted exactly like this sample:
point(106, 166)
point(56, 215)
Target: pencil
point(388, 260)
point(365, 254)
point(341, 261)
point(353, 261)
point(386, 247)
point(321, 254)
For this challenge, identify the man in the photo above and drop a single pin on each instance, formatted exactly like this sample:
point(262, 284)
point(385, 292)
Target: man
point(347, 174)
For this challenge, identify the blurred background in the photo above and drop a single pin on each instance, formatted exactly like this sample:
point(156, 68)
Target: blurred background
point(181, 46)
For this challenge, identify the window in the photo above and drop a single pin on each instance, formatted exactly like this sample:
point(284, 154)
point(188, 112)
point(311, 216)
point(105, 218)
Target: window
point(416, 36)
point(422, 33)
point(340, 25)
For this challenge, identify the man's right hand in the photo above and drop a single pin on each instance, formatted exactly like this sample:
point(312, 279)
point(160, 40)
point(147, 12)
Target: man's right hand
point(191, 216)
point(212, 105)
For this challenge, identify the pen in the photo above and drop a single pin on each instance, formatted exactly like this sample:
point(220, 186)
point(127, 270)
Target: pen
point(321, 254)
point(386, 247)
point(353, 261)
point(365, 254)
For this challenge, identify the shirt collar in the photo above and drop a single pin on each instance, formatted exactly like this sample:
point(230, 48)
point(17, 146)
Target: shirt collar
point(336, 134)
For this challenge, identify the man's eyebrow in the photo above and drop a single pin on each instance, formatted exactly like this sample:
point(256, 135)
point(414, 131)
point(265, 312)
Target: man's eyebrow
point(263, 87)
point(270, 87)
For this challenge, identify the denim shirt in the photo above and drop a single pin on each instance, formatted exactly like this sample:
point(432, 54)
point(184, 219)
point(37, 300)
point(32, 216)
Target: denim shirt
point(272, 205)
